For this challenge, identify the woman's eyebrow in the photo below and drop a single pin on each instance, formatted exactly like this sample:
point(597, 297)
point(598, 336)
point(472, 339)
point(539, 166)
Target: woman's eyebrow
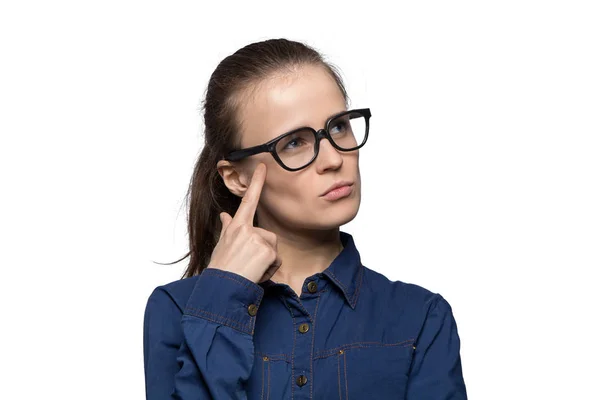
point(336, 113)
point(307, 126)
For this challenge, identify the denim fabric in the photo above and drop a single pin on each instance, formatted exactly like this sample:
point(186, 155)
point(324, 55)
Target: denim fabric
point(352, 334)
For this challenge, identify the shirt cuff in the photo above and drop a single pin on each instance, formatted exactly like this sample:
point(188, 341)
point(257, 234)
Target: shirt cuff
point(225, 298)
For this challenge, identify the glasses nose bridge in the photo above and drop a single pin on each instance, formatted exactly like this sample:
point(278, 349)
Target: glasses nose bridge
point(322, 133)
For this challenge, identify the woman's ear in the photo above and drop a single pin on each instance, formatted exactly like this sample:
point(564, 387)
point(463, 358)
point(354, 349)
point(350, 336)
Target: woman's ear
point(233, 177)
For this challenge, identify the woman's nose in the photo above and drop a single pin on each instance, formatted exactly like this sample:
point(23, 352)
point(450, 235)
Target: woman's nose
point(328, 156)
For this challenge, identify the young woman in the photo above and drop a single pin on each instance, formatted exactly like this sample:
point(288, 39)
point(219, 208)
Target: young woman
point(275, 302)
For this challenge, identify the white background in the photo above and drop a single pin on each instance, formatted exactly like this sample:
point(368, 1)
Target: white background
point(480, 178)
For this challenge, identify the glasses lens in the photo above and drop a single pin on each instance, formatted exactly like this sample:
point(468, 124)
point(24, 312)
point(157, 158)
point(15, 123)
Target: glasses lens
point(349, 130)
point(296, 149)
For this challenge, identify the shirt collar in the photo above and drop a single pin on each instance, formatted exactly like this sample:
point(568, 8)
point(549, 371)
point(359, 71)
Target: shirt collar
point(345, 272)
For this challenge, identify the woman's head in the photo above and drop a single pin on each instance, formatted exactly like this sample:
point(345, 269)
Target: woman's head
point(256, 94)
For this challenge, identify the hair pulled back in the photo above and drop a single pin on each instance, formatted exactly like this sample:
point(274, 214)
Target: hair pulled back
point(234, 76)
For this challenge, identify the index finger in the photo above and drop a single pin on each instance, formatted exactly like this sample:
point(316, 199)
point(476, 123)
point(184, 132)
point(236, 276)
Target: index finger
point(247, 209)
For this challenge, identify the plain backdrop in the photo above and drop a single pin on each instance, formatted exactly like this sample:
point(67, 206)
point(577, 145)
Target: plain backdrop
point(480, 180)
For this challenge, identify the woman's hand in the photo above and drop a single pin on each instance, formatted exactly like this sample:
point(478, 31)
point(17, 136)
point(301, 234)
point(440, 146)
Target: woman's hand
point(243, 248)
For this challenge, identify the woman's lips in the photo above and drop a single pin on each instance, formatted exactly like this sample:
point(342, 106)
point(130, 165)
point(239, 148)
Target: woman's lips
point(338, 193)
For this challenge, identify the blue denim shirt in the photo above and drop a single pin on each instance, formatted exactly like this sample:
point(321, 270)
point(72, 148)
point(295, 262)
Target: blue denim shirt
point(352, 334)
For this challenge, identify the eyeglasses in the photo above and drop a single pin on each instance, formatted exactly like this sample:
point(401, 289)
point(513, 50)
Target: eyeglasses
point(294, 150)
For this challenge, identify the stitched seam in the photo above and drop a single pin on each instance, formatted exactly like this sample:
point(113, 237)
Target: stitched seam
point(284, 357)
point(272, 355)
point(218, 319)
point(339, 382)
point(276, 357)
point(216, 272)
point(262, 389)
point(345, 375)
point(312, 345)
point(333, 351)
point(268, 379)
point(360, 280)
point(192, 311)
point(339, 282)
point(357, 290)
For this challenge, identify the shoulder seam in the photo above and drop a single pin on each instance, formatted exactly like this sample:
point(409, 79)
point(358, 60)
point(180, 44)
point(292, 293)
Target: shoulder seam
point(168, 293)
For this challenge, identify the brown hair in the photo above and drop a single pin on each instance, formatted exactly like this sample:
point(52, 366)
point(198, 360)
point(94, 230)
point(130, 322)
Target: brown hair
point(207, 195)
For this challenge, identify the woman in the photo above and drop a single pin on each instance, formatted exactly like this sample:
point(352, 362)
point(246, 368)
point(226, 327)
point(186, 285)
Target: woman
point(275, 302)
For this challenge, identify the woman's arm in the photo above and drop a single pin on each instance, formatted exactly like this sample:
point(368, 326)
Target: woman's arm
point(436, 371)
point(205, 351)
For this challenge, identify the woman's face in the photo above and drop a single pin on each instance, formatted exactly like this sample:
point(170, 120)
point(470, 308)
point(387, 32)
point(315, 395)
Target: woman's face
point(293, 200)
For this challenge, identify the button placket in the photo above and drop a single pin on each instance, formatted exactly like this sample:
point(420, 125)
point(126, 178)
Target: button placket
point(302, 366)
point(301, 380)
point(303, 328)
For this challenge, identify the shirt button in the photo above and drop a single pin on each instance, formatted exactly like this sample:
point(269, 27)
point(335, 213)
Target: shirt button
point(312, 286)
point(252, 309)
point(301, 380)
point(303, 328)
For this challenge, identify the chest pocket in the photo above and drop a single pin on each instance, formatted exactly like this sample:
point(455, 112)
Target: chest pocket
point(269, 377)
point(365, 370)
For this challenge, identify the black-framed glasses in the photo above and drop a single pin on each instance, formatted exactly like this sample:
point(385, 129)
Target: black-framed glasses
point(294, 150)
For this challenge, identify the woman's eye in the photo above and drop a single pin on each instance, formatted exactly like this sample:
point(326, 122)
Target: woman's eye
point(294, 140)
point(340, 126)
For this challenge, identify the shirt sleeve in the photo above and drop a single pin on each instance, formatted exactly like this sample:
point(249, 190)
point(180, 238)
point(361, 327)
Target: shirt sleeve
point(206, 350)
point(436, 371)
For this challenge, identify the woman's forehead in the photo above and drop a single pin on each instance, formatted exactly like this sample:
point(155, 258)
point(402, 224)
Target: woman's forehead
point(285, 103)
